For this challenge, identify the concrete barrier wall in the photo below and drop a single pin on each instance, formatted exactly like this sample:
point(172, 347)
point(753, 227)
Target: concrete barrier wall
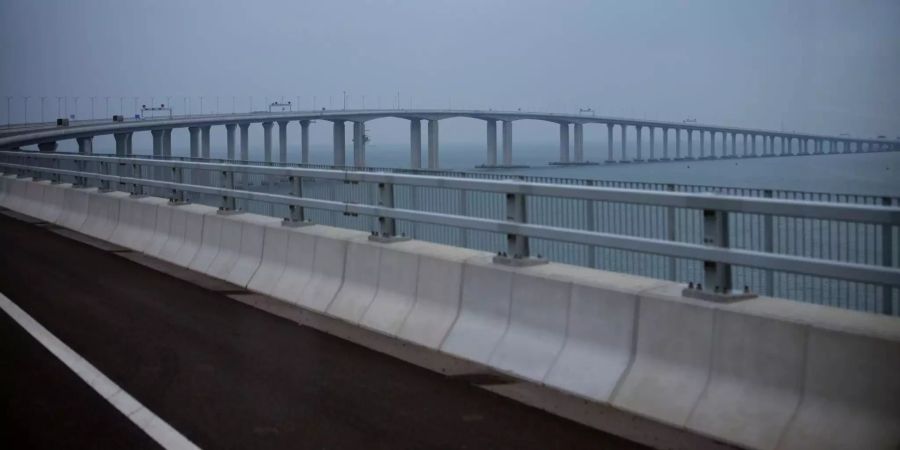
point(438, 293)
point(16, 196)
point(360, 281)
point(763, 373)
point(398, 271)
point(75, 207)
point(253, 230)
point(274, 255)
point(298, 267)
point(103, 214)
point(54, 202)
point(33, 202)
point(484, 310)
point(5, 181)
point(137, 223)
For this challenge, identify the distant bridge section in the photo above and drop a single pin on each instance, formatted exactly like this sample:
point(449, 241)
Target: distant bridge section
point(654, 140)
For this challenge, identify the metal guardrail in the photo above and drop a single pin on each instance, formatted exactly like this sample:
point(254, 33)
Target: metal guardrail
point(388, 201)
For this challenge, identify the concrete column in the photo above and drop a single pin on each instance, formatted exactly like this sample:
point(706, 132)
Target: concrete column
point(338, 138)
point(744, 146)
point(245, 141)
point(157, 142)
point(204, 142)
point(304, 141)
point(491, 159)
point(564, 142)
point(638, 132)
point(123, 144)
point(690, 149)
point(167, 142)
point(733, 144)
point(712, 144)
point(624, 140)
point(415, 143)
point(678, 143)
point(229, 139)
point(652, 144)
point(85, 145)
point(819, 146)
point(609, 144)
point(665, 148)
point(359, 144)
point(507, 142)
point(282, 141)
point(702, 144)
point(753, 145)
point(267, 141)
point(433, 140)
point(579, 142)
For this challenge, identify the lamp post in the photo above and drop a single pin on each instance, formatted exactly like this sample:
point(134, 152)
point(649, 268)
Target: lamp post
point(76, 107)
point(92, 107)
point(26, 109)
point(8, 98)
point(42, 109)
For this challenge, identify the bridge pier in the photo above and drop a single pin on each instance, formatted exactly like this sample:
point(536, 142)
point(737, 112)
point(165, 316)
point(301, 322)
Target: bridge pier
point(282, 141)
point(167, 143)
point(338, 139)
point(652, 144)
point(638, 131)
point(85, 145)
point(564, 143)
point(733, 145)
point(702, 144)
point(690, 144)
point(195, 141)
point(157, 142)
point(204, 142)
point(304, 141)
point(359, 144)
point(609, 143)
point(712, 144)
point(507, 142)
point(491, 159)
point(245, 141)
point(415, 144)
point(624, 134)
point(123, 144)
point(229, 140)
point(579, 142)
point(267, 141)
point(665, 149)
point(433, 149)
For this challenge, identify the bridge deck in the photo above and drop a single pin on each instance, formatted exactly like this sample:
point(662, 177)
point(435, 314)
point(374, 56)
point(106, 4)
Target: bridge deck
point(225, 374)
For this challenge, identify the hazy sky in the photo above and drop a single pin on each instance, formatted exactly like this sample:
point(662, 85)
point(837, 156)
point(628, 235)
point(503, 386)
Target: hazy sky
point(818, 65)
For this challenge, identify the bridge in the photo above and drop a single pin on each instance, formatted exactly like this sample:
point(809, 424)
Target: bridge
point(688, 140)
point(675, 316)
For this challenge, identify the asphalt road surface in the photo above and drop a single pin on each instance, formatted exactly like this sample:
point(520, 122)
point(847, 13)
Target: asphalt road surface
point(222, 373)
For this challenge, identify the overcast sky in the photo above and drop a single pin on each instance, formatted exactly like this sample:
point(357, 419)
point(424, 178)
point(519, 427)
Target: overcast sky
point(815, 65)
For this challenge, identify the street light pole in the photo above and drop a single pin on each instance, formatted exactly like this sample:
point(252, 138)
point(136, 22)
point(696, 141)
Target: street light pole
point(42, 109)
point(26, 109)
point(76, 107)
point(92, 107)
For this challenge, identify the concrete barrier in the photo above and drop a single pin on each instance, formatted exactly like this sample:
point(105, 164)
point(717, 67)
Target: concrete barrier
point(228, 249)
point(16, 198)
point(160, 230)
point(398, 272)
point(75, 207)
point(672, 359)
point(438, 292)
point(137, 222)
point(54, 202)
point(4, 188)
point(274, 255)
point(755, 382)
point(484, 310)
point(537, 324)
point(298, 267)
point(186, 233)
point(103, 214)
point(600, 334)
point(33, 201)
point(253, 230)
point(210, 237)
point(329, 266)
point(360, 281)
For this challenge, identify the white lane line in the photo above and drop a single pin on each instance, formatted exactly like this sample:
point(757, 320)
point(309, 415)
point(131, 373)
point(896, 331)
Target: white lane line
point(150, 423)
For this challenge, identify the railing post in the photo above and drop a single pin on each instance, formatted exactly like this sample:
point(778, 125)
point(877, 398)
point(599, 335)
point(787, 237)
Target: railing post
point(177, 196)
point(387, 226)
point(297, 216)
point(768, 245)
point(670, 233)
point(137, 190)
point(887, 260)
point(104, 170)
point(591, 225)
point(226, 181)
point(716, 275)
point(463, 211)
point(517, 247)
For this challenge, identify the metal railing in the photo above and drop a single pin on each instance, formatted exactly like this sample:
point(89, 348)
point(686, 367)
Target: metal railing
point(815, 247)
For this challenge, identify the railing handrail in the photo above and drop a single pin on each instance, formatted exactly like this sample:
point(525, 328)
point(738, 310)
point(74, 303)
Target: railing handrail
point(874, 214)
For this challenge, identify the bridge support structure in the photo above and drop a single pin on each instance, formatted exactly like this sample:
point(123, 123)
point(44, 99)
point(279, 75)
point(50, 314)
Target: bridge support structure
point(339, 144)
point(304, 141)
point(415, 143)
point(491, 159)
point(204, 142)
point(578, 128)
point(507, 142)
point(433, 144)
point(245, 141)
point(609, 143)
point(359, 144)
point(229, 140)
point(267, 141)
point(564, 142)
point(195, 141)
point(282, 141)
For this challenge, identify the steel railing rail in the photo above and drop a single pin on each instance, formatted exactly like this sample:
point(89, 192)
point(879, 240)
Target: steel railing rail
point(720, 255)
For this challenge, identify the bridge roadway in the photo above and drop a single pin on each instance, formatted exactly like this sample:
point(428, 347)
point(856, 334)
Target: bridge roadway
point(222, 373)
point(752, 143)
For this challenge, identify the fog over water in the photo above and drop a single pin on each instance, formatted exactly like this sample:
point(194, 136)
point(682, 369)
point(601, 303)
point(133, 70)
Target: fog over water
point(819, 66)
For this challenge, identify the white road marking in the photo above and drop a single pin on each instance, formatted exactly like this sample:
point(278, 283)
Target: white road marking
point(150, 423)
